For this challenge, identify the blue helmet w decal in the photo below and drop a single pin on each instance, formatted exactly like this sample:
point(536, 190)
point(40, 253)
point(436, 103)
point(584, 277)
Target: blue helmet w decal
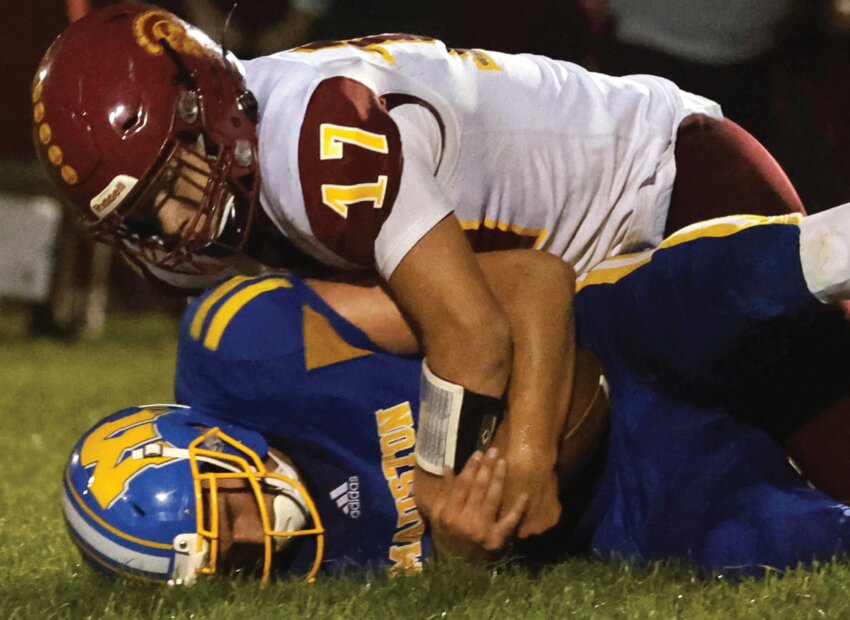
point(140, 493)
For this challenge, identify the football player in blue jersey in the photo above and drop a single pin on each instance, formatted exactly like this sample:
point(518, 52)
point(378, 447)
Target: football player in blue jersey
point(687, 468)
point(355, 454)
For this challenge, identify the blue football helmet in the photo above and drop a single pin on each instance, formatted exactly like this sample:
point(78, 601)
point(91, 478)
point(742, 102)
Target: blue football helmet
point(140, 493)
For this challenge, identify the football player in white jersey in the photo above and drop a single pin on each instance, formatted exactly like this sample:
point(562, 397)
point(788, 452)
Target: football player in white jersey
point(392, 156)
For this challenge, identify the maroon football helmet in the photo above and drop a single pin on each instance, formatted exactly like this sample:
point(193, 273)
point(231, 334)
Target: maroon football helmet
point(130, 104)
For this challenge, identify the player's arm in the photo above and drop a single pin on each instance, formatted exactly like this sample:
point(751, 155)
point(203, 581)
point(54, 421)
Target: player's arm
point(535, 292)
point(538, 301)
point(463, 330)
point(451, 309)
point(468, 336)
point(366, 304)
point(371, 198)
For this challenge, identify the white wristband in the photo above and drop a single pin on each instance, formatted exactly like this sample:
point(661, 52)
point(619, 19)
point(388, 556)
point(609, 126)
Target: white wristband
point(453, 423)
point(439, 413)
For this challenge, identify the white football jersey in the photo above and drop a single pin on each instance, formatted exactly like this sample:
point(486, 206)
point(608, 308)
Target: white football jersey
point(366, 144)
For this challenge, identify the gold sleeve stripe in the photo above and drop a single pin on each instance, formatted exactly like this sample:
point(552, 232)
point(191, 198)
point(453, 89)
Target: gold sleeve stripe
point(204, 309)
point(615, 269)
point(725, 226)
point(228, 309)
point(104, 524)
point(540, 233)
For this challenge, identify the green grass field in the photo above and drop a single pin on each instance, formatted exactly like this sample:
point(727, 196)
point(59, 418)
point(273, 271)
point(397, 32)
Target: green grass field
point(51, 391)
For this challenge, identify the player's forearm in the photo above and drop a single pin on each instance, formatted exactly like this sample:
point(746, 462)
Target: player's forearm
point(535, 290)
point(463, 330)
point(472, 352)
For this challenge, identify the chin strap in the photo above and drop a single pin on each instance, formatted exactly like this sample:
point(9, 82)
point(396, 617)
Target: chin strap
point(188, 561)
point(290, 510)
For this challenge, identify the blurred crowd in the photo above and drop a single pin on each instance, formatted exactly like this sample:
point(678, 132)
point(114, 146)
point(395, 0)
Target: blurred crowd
point(778, 67)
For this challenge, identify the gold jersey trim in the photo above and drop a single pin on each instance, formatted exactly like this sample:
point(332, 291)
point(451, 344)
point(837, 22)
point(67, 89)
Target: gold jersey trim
point(615, 269)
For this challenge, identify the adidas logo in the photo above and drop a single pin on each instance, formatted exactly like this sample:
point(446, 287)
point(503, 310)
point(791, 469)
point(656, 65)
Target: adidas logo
point(347, 497)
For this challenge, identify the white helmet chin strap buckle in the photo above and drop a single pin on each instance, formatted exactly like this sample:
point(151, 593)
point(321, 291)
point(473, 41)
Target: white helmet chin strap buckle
point(188, 560)
point(289, 516)
point(290, 509)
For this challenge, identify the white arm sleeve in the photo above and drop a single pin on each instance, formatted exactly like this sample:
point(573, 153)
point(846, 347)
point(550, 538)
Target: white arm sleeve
point(825, 253)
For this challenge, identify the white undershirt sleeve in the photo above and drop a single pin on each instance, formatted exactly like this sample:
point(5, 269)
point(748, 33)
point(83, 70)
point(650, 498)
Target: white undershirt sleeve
point(825, 253)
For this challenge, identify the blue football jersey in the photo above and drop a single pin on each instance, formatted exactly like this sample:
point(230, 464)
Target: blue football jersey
point(683, 314)
point(269, 355)
point(680, 475)
point(687, 471)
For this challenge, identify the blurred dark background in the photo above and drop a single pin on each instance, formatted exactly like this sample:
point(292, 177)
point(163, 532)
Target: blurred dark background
point(780, 68)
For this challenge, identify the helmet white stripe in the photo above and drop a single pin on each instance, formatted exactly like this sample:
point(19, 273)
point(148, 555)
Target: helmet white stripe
point(131, 558)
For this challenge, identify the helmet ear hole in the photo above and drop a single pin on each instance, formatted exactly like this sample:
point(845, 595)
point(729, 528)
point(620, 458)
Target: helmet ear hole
point(126, 118)
point(132, 121)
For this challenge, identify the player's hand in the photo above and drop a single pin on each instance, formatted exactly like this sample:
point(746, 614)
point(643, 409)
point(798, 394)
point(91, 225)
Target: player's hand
point(465, 519)
point(527, 474)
